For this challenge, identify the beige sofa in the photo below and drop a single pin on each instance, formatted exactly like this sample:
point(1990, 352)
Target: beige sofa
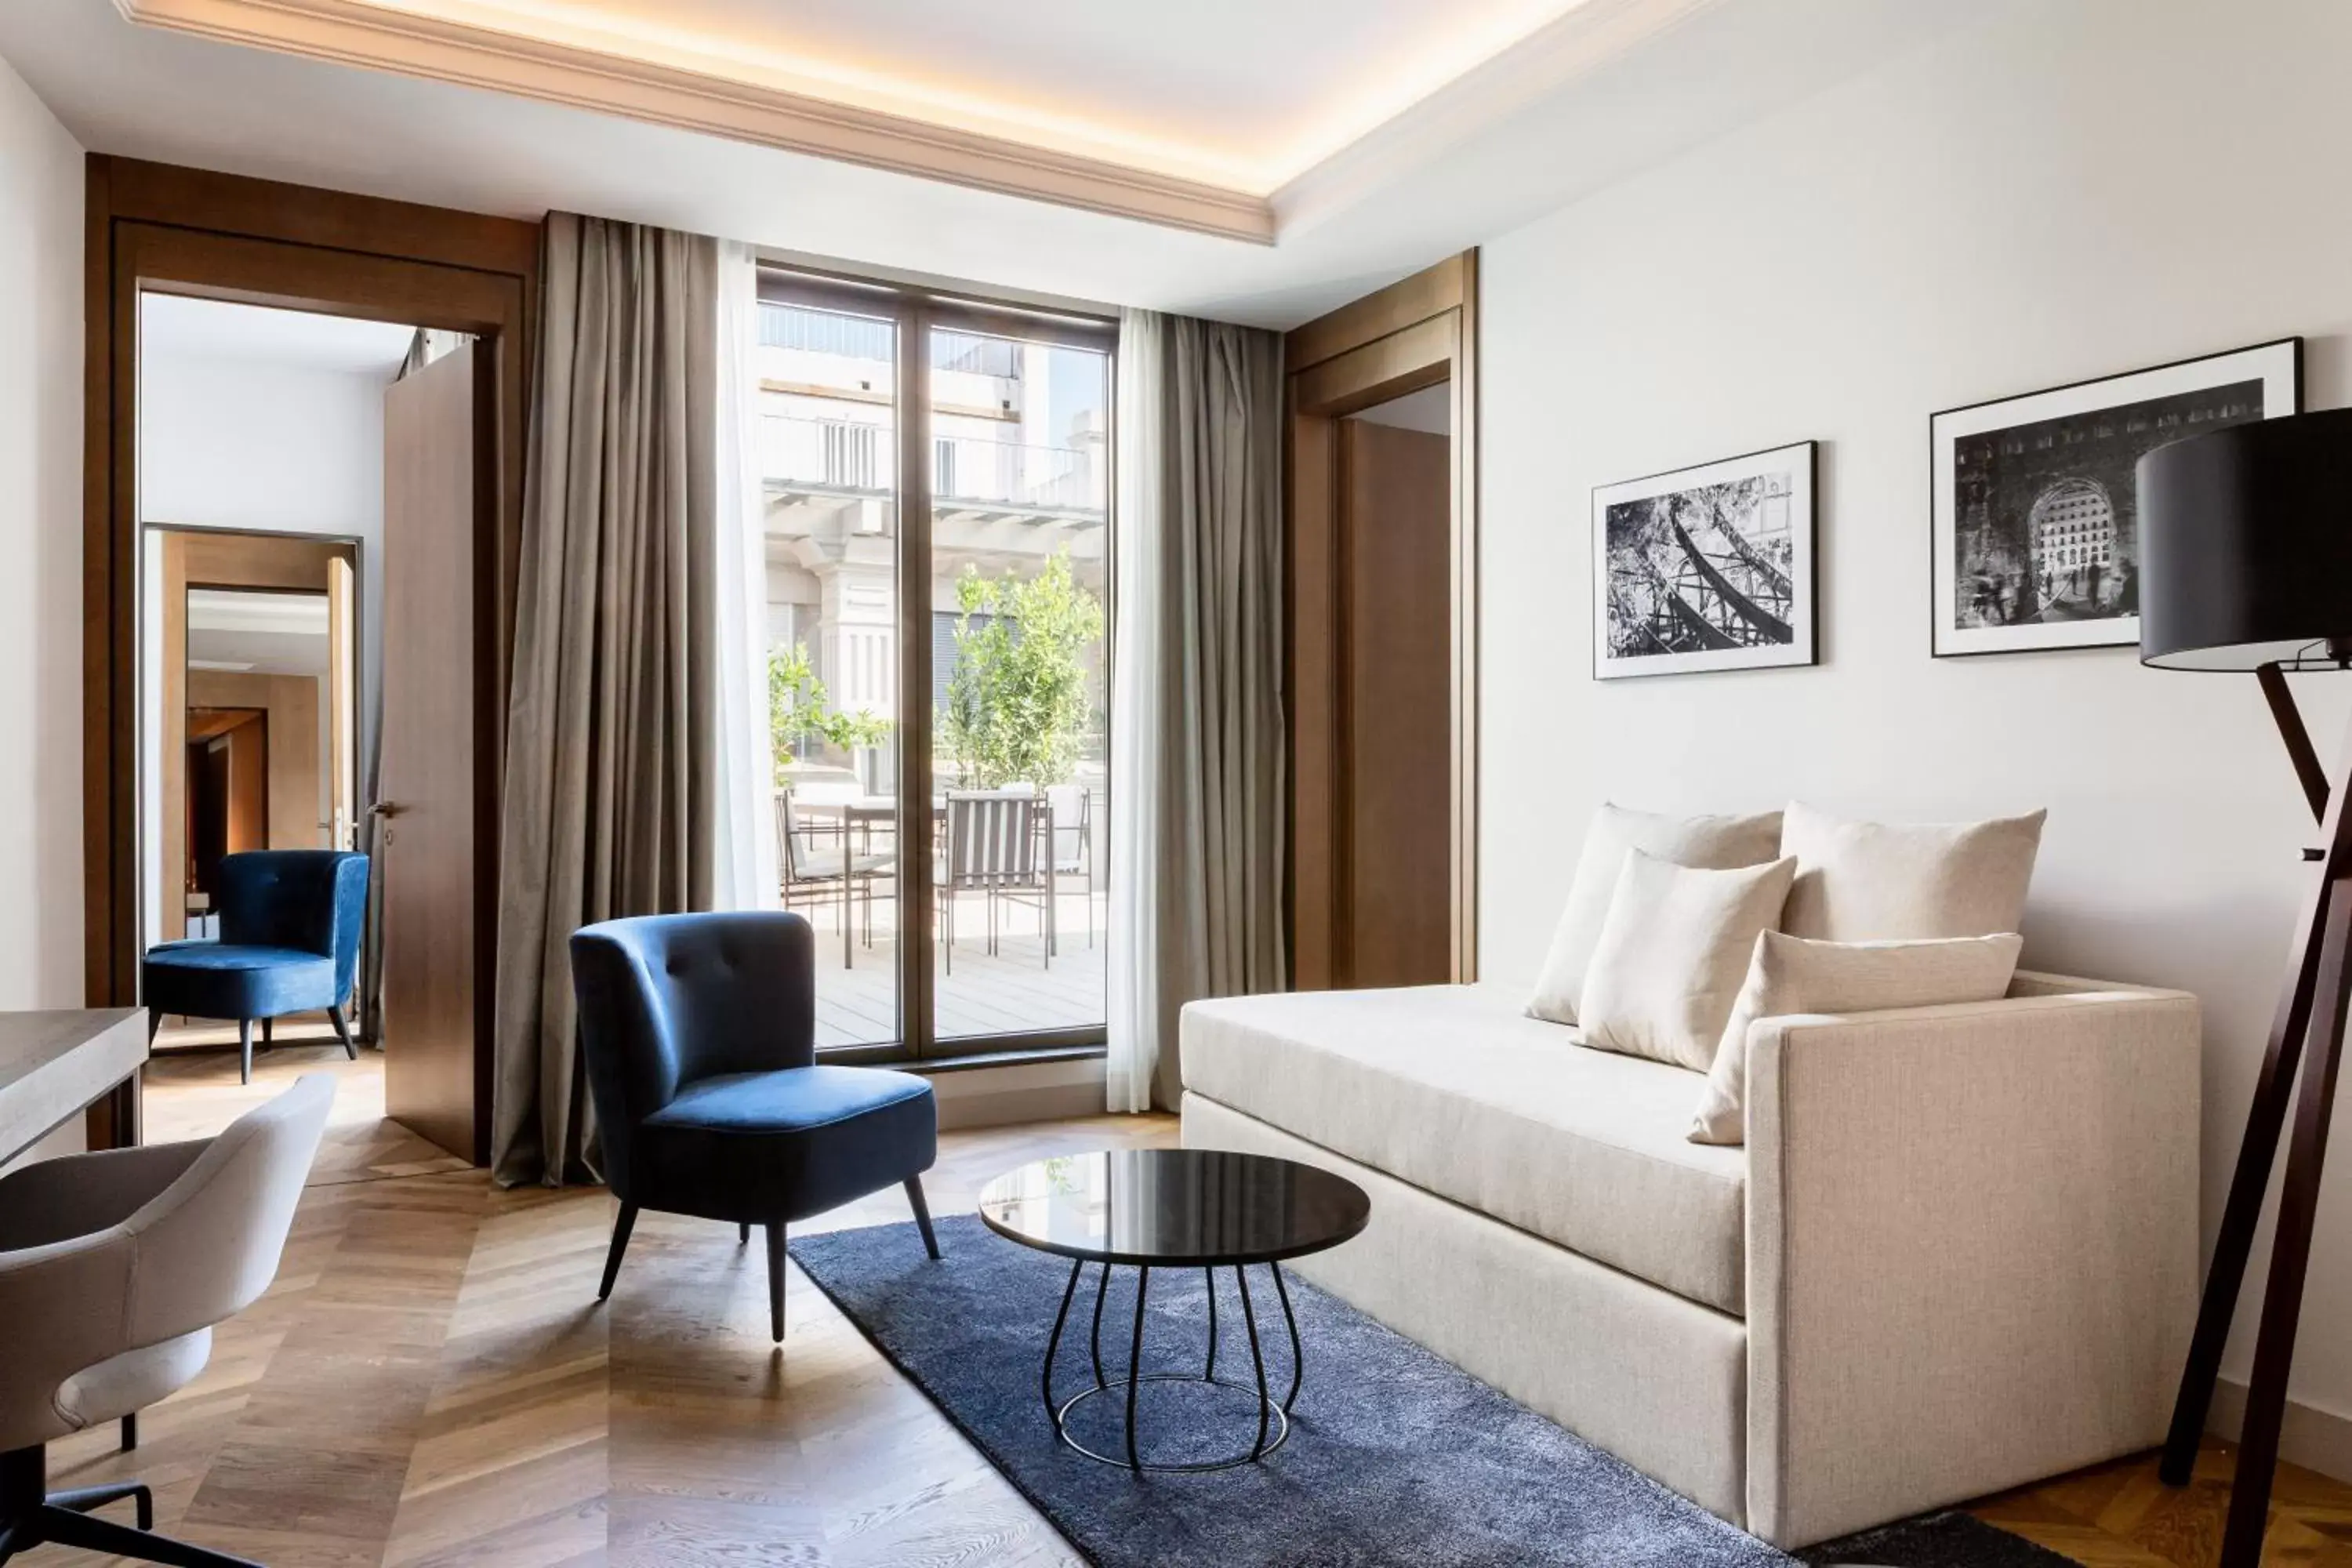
point(1958, 1252)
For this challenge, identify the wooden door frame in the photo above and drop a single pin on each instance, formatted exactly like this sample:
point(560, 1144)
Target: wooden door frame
point(1413, 334)
point(223, 237)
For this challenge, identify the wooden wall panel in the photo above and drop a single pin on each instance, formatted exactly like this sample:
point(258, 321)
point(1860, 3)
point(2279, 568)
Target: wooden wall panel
point(291, 703)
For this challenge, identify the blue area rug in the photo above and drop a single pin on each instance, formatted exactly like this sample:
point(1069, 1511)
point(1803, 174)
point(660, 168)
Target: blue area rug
point(1395, 1458)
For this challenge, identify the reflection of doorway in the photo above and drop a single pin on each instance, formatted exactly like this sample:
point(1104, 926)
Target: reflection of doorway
point(252, 622)
point(252, 702)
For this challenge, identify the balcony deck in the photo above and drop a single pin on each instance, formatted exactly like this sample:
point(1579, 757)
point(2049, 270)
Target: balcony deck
point(1013, 990)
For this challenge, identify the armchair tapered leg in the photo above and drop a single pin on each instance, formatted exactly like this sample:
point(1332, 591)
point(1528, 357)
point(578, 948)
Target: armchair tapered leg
point(130, 1431)
point(343, 1032)
point(244, 1051)
point(743, 1233)
point(621, 1228)
point(268, 1033)
point(922, 1214)
point(776, 1282)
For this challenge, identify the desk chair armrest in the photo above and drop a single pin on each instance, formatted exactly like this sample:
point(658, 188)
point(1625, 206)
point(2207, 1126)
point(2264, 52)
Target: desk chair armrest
point(54, 1200)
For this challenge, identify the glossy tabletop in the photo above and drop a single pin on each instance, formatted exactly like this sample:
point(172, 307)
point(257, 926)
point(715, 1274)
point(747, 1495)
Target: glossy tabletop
point(1174, 1206)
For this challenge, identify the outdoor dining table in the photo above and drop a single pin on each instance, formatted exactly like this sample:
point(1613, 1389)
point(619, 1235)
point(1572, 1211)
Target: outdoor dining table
point(853, 812)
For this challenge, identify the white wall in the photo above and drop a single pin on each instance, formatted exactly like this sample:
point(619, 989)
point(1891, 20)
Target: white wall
point(40, 542)
point(248, 444)
point(2056, 193)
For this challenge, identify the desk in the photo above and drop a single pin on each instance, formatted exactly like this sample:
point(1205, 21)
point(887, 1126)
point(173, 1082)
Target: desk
point(55, 1065)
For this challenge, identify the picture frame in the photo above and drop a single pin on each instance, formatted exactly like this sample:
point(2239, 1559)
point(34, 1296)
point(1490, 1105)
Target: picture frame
point(2032, 535)
point(1710, 567)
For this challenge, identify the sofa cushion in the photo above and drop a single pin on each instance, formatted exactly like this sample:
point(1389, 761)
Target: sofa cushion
point(1452, 1089)
point(1673, 954)
point(1790, 974)
point(1718, 842)
point(1878, 881)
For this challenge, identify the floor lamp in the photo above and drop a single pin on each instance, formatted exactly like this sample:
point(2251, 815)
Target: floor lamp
point(2246, 565)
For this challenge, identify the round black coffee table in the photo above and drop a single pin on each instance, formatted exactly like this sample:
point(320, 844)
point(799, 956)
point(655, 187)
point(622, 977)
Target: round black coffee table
point(1174, 1208)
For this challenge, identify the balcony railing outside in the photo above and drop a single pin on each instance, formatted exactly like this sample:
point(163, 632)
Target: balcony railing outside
point(838, 453)
point(828, 332)
point(967, 468)
point(843, 455)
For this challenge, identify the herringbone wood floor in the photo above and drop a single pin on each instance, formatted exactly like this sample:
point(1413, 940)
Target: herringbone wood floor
point(431, 1381)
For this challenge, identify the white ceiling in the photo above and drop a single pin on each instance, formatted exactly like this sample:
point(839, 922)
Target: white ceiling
point(1604, 91)
point(172, 326)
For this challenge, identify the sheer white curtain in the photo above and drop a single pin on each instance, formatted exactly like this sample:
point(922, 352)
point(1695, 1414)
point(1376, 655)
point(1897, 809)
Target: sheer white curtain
point(745, 839)
point(1137, 716)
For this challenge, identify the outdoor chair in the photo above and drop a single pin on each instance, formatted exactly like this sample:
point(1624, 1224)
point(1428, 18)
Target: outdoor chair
point(996, 843)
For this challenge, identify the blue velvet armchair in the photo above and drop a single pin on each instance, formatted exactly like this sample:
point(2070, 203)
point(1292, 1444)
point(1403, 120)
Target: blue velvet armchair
point(289, 943)
point(700, 1036)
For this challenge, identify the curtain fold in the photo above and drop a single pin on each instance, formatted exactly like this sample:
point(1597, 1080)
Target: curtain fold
point(610, 798)
point(1197, 739)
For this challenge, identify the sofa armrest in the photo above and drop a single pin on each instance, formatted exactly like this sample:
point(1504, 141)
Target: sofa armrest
point(1972, 1248)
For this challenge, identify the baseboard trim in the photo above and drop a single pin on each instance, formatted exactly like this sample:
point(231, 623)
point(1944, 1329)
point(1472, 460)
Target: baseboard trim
point(2314, 1438)
point(1019, 1091)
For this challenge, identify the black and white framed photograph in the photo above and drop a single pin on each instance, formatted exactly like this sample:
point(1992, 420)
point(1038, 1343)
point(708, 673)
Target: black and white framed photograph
point(2035, 516)
point(1706, 568)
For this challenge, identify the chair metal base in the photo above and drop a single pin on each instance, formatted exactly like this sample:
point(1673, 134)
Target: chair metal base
point(29, 1518)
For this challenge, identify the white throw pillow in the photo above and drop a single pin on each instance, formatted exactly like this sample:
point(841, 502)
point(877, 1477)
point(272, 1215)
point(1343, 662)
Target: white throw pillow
point(1671, 955)
point(1876, 881)
point(1718, 843)
point(1791, 974)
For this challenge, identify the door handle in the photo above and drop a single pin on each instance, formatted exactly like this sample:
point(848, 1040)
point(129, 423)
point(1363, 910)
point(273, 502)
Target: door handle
point(385, 809)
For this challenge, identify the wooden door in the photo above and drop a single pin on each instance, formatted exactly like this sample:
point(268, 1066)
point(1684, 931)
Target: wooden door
point(1396, 681)
point(425, 848)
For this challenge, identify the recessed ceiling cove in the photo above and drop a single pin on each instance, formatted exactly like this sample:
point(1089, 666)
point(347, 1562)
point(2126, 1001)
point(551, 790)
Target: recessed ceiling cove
point(1196, 116)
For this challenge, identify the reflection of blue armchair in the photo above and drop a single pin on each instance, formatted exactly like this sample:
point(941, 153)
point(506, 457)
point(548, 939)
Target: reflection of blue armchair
point(289, 943)
point(700, 1036)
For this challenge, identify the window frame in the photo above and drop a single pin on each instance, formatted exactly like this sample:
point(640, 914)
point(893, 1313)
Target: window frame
point(915, 311)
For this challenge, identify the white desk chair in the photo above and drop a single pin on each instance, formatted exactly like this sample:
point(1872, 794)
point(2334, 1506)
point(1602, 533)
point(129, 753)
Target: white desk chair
point(113, 1269)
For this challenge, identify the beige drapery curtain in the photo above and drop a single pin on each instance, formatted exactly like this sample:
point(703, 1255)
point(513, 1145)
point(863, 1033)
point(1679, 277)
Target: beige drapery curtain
point(611, 724)
point(1197, 736)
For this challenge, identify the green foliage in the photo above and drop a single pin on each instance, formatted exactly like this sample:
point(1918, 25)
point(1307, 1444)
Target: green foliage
point(1016, 706)
point(798, 710)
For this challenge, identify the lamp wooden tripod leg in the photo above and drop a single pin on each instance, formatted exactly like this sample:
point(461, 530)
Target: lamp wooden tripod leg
point(2312, 1007)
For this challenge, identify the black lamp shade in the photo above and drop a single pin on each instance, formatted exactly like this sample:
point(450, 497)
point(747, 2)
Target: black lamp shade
point(2245, 547)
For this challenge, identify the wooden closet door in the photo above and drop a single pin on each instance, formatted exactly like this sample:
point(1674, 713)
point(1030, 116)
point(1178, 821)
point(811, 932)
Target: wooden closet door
point(426, 849)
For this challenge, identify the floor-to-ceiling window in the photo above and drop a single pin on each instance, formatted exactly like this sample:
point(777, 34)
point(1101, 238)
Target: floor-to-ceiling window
point(937, 492)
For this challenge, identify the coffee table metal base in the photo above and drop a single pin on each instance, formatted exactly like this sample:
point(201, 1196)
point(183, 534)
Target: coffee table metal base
point(1273, 1416)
